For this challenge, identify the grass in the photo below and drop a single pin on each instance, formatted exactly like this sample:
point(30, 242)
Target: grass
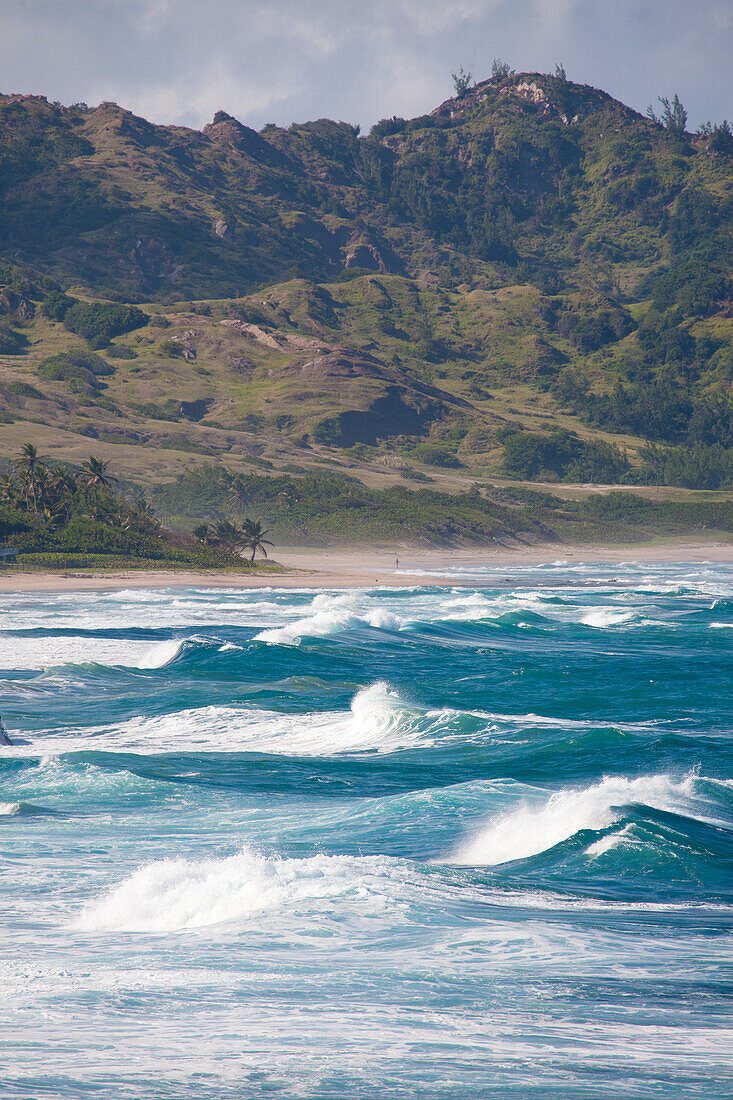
point(51, 562)
point(480, 274)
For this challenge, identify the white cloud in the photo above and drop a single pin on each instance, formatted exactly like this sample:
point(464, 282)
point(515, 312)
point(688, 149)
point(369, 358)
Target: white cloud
point(179, 60)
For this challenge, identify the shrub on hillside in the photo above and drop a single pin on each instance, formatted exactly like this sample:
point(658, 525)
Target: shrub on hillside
point(98, 322)
point(11, 342)
point(57, 305)
point(696, 467)
point(562, 455)
point(80, 371)
point(24, 389)
point(119, 351)
point(435, 454)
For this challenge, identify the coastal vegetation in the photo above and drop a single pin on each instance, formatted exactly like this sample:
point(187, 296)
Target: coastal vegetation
point(58, 515)
point(530, 285)
point(334, 509)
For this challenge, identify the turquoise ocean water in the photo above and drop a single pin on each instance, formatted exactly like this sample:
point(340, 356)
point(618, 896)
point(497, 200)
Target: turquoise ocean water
point(430, 842)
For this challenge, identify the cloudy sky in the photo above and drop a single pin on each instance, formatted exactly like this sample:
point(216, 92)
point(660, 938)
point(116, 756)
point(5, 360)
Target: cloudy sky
point(358, 60)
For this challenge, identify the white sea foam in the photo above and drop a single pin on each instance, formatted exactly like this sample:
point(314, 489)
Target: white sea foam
point(329, 615)
point(161, 654)
point(377, 721)
point(533, 828)
point(174, 895)
point(610, 842)
point(23, 652)
point(601, 617)
point(9, 809)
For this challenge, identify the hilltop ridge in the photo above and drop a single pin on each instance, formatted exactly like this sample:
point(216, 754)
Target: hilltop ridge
point(130, 208)
point(532, 281)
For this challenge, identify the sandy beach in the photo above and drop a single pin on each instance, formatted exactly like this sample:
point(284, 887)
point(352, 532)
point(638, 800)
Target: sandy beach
point(358, 568)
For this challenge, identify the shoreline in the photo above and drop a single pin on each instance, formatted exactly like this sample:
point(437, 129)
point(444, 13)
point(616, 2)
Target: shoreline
point(363, 568)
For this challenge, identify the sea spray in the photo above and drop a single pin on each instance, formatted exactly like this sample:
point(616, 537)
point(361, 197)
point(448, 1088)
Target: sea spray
point(174, 895)
point(407, 846)
point(530, 829)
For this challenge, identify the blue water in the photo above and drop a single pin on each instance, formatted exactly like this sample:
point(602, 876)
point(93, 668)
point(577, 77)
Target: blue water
point(428, 842)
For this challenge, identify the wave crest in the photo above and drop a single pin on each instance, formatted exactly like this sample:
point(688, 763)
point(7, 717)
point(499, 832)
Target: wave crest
point(330, 615)
point(176, 895)
point(532, 829)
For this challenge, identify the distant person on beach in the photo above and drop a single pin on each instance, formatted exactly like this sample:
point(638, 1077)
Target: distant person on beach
point(397, 563)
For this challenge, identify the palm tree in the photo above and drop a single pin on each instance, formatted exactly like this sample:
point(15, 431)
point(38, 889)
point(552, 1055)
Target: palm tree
point(140, 516)
point(29, 463)
point(227, 535)
point(43, 483)
point(95, 474)
point(238, 497)
point(254, 537)
point(8, 489)
point(64, 486)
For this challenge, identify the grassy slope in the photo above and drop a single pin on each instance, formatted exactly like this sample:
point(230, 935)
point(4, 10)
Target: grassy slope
point(447, 341)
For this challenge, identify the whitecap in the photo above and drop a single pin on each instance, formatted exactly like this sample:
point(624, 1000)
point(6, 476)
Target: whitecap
point(328, 615)
point(178, 894)
point(378, 720)
point(530, 829)
point(609, 843)
point(601, 617)
point(161, 654)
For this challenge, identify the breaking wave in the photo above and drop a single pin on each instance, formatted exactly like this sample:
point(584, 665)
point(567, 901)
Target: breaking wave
point(531, 829)
point(330, 615)
point(180, 894)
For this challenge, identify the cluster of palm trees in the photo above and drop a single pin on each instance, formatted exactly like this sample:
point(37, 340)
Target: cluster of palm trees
point(55, 493)
point(235, 540)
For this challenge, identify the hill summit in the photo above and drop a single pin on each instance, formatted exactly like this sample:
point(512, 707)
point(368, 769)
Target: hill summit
point(531, 281)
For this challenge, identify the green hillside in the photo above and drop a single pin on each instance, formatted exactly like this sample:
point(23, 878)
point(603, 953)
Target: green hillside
point(533, 283)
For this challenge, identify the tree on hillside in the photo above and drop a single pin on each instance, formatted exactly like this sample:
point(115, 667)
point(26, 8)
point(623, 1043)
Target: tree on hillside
point(560, 73)
point(462, 82)
point(238, 496)
point(141, 516)
point(720, 136)
point(254, 537)
point(673, 115)
point(96, 475)
point(64, 486)
point(28, 463)
point(500, 69)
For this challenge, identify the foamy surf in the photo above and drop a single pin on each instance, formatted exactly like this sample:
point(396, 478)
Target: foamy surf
point(160, 655)
point(330, 615)
point(243, 848)
point(535, 827)
point(378, 720)
point(177, 895)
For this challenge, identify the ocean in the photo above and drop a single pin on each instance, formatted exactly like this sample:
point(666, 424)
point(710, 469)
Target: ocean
point(440, 842)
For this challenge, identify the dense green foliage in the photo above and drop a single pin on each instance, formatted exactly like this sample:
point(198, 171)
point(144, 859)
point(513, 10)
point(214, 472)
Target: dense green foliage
point(97, 322)
point(50, 509)
point(530, 233)
point(326, 509)
point(11, 342)
point(695, 467)
point(562, 455)
point(81, 371)
point(547, 179)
